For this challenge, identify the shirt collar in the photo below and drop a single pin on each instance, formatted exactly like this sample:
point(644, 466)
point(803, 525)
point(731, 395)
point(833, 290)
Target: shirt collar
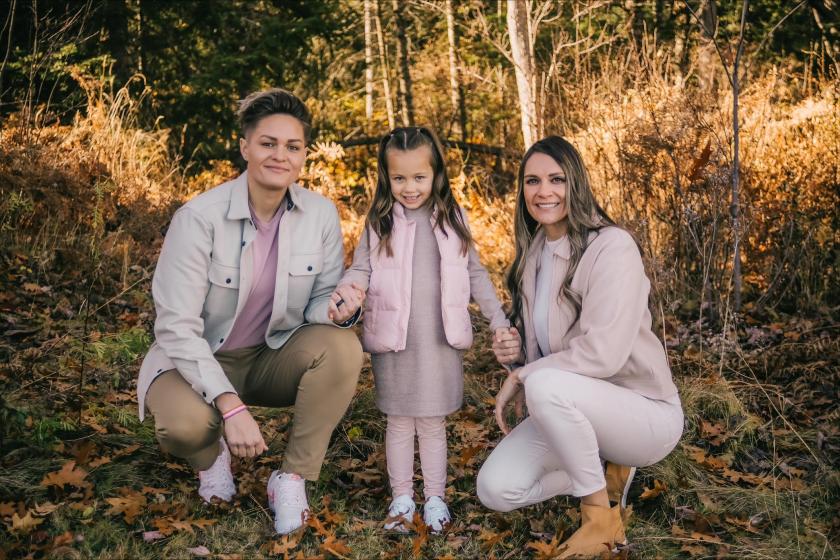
point(239, 209)
point(562, 250)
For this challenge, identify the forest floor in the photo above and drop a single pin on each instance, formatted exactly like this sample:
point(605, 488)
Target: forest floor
point(755, 475)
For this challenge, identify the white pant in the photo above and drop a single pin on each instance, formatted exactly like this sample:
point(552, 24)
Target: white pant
point(575, 421)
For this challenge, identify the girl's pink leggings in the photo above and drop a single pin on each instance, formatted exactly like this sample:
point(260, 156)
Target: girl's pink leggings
point(399, 454)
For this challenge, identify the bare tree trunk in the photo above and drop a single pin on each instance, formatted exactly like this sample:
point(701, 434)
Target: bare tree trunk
point(141, 24)
point(519, 32)
point(635, 23)
point(456, 91)
point(115, 19)
point(386, 71)
point(735, 206)
point(368, 63)
point(404, 81)
point(709, 24)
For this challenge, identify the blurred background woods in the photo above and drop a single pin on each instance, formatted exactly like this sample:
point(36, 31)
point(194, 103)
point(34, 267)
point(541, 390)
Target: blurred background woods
point(711, 129)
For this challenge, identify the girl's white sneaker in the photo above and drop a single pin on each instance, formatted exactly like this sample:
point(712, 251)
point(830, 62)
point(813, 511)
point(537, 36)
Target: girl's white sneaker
point(217, 480)
point(287, 499)
point(400, 514)
point(436, 514)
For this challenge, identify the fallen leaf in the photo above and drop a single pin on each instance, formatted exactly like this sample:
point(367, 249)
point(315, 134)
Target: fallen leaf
point(130, 506)
point(489, 539)
point(45, 509)
point(714, 433)
point(335, 547)
point(200, 551)
point(650, 493)
point(695, 549)
point(284, 545)
point(546, 550)
point(68, 475)
point(706, 537)
point(25, 524)
point(151, 536)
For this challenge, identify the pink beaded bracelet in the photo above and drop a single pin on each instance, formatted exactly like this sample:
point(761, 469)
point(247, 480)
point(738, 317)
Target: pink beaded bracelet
point(234, 411)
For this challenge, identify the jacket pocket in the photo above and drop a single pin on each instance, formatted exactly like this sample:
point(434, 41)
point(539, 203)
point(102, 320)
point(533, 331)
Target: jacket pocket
point(302, 272)
point(224, 292)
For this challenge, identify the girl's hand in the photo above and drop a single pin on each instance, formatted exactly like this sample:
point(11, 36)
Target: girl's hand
point(344, 302)
point(511, 390)
point(507, 346)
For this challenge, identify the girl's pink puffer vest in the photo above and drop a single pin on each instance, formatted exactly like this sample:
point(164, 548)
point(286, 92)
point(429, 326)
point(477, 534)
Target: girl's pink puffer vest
point(388, 301)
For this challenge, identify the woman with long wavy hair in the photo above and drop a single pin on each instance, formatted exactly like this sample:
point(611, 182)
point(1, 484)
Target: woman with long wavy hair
point(595, 378)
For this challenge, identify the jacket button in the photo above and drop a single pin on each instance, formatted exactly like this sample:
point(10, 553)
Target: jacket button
point(309, 268)
point(204, 393)
point(243, 243)
point(160, 370)
point(227, 280)
point(221, 340)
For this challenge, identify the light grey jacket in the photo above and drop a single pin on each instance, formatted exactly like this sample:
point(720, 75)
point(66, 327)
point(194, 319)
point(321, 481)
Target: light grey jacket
point(204, 276)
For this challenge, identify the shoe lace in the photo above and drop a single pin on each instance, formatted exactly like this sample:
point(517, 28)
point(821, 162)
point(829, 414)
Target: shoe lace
point(436, 510)
point(290, 491)
point(399, 507)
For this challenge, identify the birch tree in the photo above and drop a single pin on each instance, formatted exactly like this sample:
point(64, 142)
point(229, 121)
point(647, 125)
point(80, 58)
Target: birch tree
point(456, 90)
point(522, 50)
point(368, 62)
point(383, 63)
point(403, 73)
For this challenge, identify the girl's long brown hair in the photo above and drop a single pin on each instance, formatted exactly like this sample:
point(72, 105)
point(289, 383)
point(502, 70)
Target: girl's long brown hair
point(584, 216)
point(380, 217)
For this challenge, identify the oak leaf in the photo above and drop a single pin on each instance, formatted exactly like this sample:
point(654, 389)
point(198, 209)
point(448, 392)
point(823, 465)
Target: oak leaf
point(68, 475)
point(650, 493)
point(547, 550)
point(25, 524)
point(130, 506)
point(335, 547)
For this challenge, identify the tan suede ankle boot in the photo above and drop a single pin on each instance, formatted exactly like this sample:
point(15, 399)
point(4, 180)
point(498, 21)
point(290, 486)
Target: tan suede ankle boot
point(618, 478)
point(601, 529)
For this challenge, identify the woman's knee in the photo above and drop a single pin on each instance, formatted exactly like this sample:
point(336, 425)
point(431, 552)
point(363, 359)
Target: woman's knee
point(490, 486)
point(186, 432)
point(550, 389)
point(343, 355)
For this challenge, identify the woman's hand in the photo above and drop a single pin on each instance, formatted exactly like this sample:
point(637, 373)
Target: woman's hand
point(511, 390)
point(344, 302)
point(507, 346)
point(242, 433)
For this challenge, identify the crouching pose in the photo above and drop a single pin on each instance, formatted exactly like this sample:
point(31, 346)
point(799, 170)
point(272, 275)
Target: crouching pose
point(592, 373)
point(244, 317)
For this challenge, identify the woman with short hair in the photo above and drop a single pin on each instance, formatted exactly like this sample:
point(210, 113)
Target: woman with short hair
point(244, 316)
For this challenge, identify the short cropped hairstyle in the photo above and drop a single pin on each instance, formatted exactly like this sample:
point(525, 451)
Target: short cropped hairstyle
point(274, 101)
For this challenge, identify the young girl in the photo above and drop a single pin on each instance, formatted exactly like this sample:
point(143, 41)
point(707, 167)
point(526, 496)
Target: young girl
point(416, 262)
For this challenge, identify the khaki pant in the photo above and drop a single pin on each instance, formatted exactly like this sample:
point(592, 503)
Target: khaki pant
point(315, 371)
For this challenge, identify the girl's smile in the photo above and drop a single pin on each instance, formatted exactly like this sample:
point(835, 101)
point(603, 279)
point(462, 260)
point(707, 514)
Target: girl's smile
point(411, 175)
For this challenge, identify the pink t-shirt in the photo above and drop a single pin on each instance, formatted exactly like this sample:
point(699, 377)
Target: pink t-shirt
point(249, 328)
